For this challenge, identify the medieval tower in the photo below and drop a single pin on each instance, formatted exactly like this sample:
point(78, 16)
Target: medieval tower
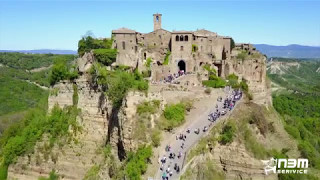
point(156, 21)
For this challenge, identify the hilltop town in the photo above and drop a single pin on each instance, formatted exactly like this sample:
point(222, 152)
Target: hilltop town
point(135, 94)
point(165, 55)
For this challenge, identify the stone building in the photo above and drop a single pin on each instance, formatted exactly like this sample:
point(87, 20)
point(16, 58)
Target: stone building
point(189, 50)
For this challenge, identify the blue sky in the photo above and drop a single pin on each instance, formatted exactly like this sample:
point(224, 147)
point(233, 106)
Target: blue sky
point(60, 24)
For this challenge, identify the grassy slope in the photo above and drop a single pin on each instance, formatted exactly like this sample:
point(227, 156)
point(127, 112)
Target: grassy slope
point(302, 79)
point(298, 103)
point(17, 95)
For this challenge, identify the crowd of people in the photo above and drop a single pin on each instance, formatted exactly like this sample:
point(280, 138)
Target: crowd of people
point(166, 165)
point(171, 77)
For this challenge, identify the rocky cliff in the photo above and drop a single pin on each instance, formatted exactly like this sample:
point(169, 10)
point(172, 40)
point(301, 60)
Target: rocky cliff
point(78, 155)
point(100, 124)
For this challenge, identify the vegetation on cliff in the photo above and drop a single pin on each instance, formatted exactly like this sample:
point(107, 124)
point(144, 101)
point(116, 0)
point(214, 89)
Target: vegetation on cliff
point(117, 83)
point(166, 58)
point(214, 81)
point(136, 163)
point(148, 62)
point(61, 70)
point(174, 115)
point(22, 137)
point(143, 131)
point(88, 43)
point(227, 134)
point(105, 56)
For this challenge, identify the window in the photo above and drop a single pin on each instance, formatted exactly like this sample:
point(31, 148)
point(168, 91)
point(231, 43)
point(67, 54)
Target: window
point(186, 37)
point(181, 38)
point(181, 48)
point(157, 17)
point(136, 49)
point(177, 38)
point(160, 36)
point(123, 45)
point(194, 38)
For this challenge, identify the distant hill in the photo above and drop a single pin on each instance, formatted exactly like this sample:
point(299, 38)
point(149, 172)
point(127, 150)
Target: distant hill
point(43, 51)
point(290, 51)
point(295, 74)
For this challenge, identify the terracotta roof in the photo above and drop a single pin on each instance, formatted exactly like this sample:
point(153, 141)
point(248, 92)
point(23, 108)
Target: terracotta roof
point(124, 31)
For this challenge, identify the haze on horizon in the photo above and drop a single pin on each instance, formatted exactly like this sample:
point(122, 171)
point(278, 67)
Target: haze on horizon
point(28, 25)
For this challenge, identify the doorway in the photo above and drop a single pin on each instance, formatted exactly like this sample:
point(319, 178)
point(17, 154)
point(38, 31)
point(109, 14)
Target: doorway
point(182, 65)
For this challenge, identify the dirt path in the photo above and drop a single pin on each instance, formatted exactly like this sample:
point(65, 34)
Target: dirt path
point(42, 87)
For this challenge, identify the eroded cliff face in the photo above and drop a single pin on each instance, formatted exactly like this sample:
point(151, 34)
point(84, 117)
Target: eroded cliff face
point(100, 124)
point(73, 159)
point(253, 71)
point(128, 115)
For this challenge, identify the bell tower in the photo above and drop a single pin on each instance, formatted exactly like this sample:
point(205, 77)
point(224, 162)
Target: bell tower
point(156, 21)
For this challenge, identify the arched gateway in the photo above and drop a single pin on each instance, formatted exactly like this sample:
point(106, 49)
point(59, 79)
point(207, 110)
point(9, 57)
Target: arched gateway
point(182, 65)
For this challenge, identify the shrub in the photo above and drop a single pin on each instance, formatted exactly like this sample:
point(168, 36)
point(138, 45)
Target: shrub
point(87, 43)
point(244, 86)
point(175, 114)
point(105, 56)
point(210, 70)
point(147, 107)
point(227, 133)
point(62, 71)
point(118, 82)
point(92, 173)
point(146, 73)
point(148, 62)
point(137, 162)
point(293, 131)
point(166, 59)
point(242, 55)
point(59, 71)
point(309, 152)
point(75, 96)
point(213, 77)
point(107, 151)
point(214, 83)
point(232, 76)
point(156, 137)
